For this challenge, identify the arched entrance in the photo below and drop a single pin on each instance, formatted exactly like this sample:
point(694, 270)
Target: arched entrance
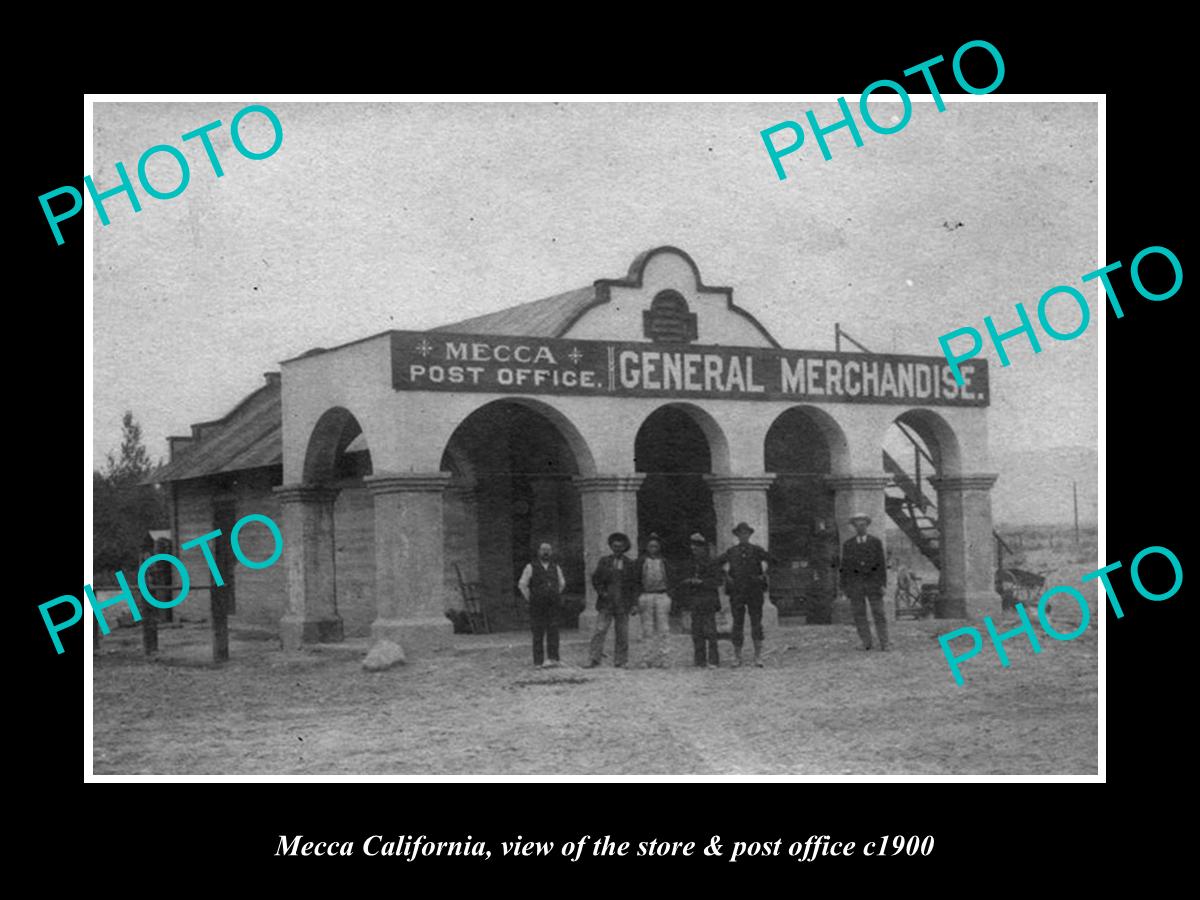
point(674, 448)
point(337, 450)
point(512, 463)
point(802, 447)
point(919, 449)
point(330, 515)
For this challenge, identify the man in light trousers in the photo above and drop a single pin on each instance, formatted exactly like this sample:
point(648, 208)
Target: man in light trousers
point(654, 604)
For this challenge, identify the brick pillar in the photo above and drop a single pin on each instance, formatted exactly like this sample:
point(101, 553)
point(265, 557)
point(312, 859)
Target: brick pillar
point(609, 504)
point(743, 498)
point(968, 550)
point(410, 572)
point(311, 615)
point(859, 494)
point(740, 498)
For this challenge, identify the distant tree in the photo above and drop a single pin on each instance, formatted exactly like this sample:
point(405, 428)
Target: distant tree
point(132, 462)
point(123, 510)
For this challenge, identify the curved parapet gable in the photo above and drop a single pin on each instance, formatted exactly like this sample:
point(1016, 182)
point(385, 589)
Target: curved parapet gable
point(625, 309)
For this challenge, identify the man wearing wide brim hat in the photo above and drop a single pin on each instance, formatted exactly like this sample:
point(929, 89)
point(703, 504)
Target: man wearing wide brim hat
point(864, 576)
point(745, 582)
point(617, 585)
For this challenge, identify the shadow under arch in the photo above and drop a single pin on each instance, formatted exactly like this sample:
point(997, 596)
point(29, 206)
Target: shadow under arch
point(337, 449)
point(714, 436)
point(803, 447)
point(806, 438)
point(513, 463)
point(676, 447)
point(584, 460)
point(938, 436)
point(919, 447)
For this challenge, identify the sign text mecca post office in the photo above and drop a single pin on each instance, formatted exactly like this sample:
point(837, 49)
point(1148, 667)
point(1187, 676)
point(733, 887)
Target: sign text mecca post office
point(439, 361)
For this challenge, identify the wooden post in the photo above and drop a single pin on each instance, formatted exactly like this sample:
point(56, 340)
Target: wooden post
point(223, 598)
point(220, 625)
point(161, 580)
point(150, 629)
point(150, 625)
point(168, 615)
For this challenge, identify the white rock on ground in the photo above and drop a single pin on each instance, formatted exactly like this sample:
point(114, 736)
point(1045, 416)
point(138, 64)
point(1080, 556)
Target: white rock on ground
point(384, 655)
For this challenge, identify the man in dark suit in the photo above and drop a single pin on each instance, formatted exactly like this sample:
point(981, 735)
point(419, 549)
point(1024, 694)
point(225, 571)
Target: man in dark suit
point(698, 593)
point(864, 575)
point(617, 583)
point(745, 583)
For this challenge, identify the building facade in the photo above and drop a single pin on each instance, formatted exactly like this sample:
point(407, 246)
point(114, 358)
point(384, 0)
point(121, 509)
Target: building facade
point(404, 464)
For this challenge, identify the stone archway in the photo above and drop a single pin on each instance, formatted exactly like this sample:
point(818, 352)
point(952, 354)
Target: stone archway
point(513, 467)
point(337, 449)
point(336, 461)
point(803, 447)
point(918, 447)
point(944, 514)
point(678, 448)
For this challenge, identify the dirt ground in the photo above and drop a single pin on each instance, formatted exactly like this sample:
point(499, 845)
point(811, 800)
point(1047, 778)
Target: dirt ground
point(820, 706)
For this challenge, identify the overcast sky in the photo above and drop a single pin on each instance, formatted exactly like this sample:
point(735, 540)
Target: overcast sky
point(413, 215)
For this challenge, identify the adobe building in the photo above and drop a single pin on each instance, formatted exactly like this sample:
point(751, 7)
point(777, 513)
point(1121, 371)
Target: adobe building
point(402, 462)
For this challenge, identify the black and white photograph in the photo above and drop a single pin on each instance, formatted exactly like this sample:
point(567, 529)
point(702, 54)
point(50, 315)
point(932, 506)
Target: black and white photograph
point(522, 437)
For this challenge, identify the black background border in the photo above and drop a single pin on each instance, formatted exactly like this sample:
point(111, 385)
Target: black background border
point(980, 828)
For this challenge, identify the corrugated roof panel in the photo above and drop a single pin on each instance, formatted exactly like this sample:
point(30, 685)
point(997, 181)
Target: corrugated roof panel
point(248, 437)
point(548, 317)
point(263, 449)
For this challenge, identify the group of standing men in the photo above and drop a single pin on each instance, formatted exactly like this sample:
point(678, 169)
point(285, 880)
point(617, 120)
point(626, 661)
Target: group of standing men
point(647, 584)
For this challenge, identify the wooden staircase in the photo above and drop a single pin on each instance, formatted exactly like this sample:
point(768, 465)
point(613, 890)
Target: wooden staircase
point(913, 512)
point(904, 500)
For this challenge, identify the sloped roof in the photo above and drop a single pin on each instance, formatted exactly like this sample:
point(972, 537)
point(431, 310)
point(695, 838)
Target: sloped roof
point(540, 318)
point(249, 437)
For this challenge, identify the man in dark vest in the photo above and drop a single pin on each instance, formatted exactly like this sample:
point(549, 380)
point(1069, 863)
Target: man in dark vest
point(617, 583)
point(542, 584)
point(864, 575)
point(746, 581)
point(698, 593)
